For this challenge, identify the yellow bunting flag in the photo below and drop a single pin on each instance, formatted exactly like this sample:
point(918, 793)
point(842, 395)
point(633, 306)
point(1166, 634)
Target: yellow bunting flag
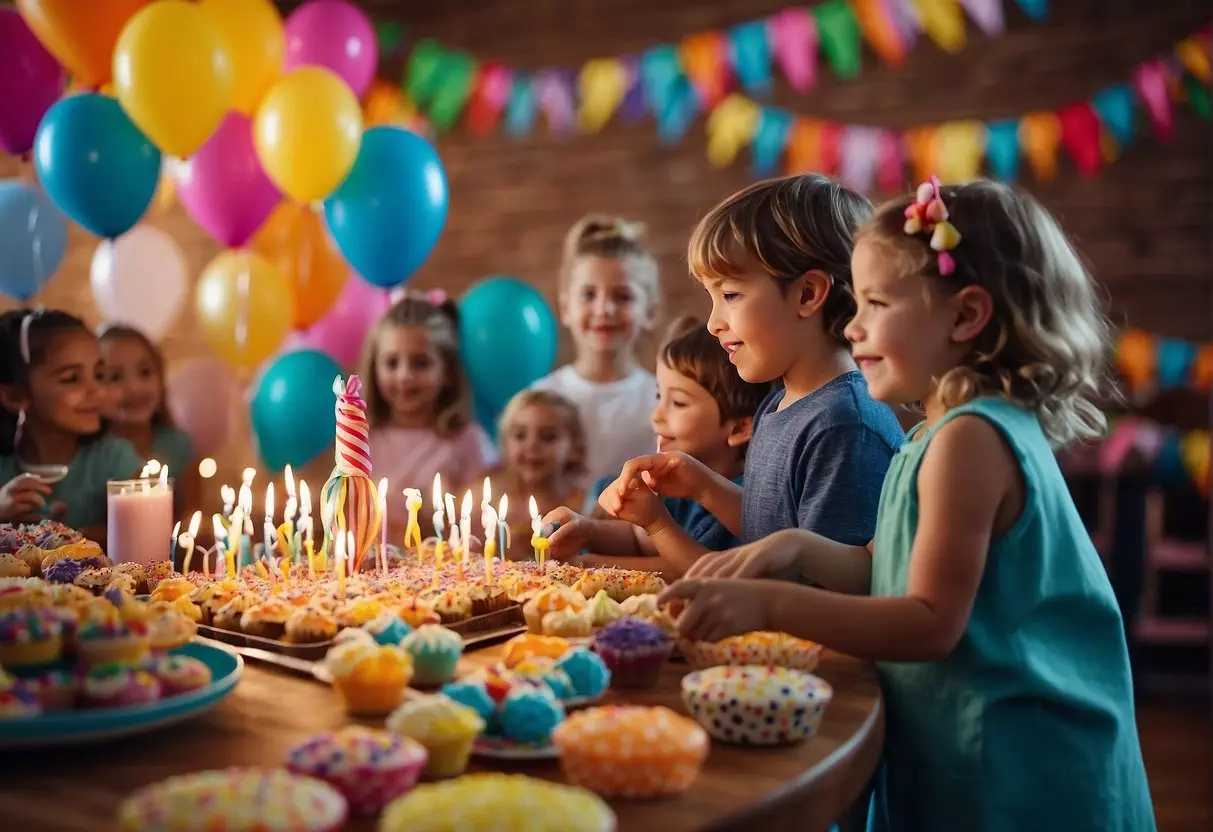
point(961, 146)
point(1194, 448)
point(704, 59)
point(943, 22)
point(922, 151)
point(730, 127)
point(603, 82)
point(1193, 53)
point(1039, 138)
point(880, 30)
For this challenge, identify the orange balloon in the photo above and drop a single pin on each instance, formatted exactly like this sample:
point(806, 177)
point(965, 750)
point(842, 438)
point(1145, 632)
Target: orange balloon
point(296, 242)
point(80, 33)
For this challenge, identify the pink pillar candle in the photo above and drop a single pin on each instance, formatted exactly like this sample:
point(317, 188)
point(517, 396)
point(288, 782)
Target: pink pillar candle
point(139, 524)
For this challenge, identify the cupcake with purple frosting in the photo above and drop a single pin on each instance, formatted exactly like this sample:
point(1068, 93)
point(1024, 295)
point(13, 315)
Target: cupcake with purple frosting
point(64, 571)
point(634, 651)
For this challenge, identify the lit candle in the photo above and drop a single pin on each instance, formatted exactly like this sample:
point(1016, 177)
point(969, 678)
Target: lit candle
point(245, 503)
point(232, 541)
point(172, 548)
point(228, 495)
point(291, 509)
point(247, 476)
point(339, 554)
point(490, 542)
point(487, 495)
point(187, 540)
point(220, 536)
point(503, 529)
point(412, 504)
point(139, 515)
point(437, 504)
point(268, 528)
point(465, 524)
point(383, 525)
point(538, 541)
point(455, 544)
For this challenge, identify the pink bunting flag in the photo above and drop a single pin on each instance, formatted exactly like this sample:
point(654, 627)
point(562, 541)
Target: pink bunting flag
point(794, 43)
point(987, 14)
point(1080, 134)
point(554, 92)
point(492, 94)
point(860, 156)
point(890, 164)
point(1150, 80)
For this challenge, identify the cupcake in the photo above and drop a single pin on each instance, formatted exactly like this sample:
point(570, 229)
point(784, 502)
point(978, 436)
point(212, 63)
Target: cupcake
point(446, 729)
point(528, 715)
point(474, 694)
point(180, 674)
point(761, 648)
point(631, 751)
point(435, 651)
point(169, 631)
point(102, 642)
point(369, 767)
point(603, 609)
point(188, 608)
point(453, 606)
point(528, 646)
point(170, 589)
point(544, 673)
point(31, 555)
point(63, 571)
point(752, 705)
point(234, 800)
point(18, 703)
point(415, 612)
point(550, 600)
point(118, 686)
point(498, 801)
point(30, 637)
point(387, 628)
point(56, 690)
point(158, 571)
point(12, 566)
point(267, 620)
point(136, 573)
point(358, 612)
point(487, 599)
point(310, 625)
point(587, 672)
point(370, 677)
point(567, 623)
point(228, 616)
point(95, 580)
point(634, 651)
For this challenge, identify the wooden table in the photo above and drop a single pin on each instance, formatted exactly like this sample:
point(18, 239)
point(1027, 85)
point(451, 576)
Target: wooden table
point(804, 787)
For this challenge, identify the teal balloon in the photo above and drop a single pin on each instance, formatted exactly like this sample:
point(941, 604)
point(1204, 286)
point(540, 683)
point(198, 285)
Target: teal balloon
point(389, 212)
point(292, 411)
point(95, 164)
point(33, 239)
point(508, 340)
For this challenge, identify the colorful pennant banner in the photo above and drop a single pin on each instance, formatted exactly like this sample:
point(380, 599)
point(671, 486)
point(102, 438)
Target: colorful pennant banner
point(1173, 456)
point(1091, 133)
point(676, 82)
point(1149, 363)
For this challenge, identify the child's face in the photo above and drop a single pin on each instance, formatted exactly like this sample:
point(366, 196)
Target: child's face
point(603, 307)
point(687, 417)
point(761, 327)
point(136, 389)
point(67, 389)
point(409, 370)
point(537, 445)
point(901, 333)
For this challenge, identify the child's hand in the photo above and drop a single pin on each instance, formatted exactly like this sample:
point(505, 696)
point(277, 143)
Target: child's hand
point(718, 608)
point(775, 554)
point(630, 499)
point(672, 474)
point(22, 497)
point(568, 533)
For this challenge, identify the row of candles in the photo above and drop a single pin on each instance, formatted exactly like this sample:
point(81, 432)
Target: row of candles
point(294, 536)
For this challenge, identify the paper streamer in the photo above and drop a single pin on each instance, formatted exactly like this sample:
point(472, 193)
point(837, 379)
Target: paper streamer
point(1150, 80)
point(704, 58)
point(751, 56)
point(770, 138)
point(943, 23)
point(793, 36)
point(1080, 129)
point(839, 34)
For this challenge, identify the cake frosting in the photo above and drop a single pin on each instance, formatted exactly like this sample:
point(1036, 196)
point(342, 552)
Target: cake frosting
point(433, 718)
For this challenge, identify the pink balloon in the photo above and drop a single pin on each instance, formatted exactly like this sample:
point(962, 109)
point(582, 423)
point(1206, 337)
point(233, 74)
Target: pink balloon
point(30, 82)
point(223, 186)
point(341, 331)
point(336, 35)
point(201, 398)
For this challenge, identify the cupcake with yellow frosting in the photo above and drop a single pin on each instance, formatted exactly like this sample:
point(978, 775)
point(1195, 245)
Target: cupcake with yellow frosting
point(552, 599)
point(528, 646)
point(567, 623)
point(446, 729)
point(501, 802)
point(370, 677)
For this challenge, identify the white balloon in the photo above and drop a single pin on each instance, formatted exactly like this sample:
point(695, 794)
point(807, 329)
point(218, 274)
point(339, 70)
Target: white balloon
point(140, 280)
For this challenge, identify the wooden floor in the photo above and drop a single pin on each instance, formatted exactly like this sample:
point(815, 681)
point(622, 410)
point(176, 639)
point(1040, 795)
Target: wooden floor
point(1177, 743)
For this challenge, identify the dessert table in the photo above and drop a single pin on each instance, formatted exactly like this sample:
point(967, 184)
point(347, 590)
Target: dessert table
point(804, 787)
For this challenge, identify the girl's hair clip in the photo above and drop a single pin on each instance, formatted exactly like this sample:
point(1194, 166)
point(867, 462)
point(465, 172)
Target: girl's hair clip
point(927, 214)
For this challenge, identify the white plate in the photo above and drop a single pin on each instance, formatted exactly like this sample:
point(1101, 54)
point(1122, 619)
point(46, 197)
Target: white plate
point(505, 750)
point(581, 701)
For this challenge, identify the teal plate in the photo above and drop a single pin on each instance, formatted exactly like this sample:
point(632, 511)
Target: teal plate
point(98, 724)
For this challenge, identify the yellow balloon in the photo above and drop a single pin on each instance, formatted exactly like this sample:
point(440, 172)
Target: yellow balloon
point(307, 133)
point(173, 74)
point(258, 44)
point(245, 307)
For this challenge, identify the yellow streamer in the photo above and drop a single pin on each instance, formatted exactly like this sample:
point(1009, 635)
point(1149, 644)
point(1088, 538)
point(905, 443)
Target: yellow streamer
point(943, 22)
point(730, 127)
point(1039, 138)
point(960, 150)
point(603, 82)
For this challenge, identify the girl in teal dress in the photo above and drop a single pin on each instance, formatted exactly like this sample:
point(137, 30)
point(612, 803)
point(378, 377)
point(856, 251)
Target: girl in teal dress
point(137, 410)
point(999, 646)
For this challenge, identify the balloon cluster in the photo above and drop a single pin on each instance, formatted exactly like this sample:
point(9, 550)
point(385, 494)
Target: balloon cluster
point(255, 124)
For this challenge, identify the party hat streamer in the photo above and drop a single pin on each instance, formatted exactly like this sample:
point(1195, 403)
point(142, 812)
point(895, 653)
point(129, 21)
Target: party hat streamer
point(350, 500)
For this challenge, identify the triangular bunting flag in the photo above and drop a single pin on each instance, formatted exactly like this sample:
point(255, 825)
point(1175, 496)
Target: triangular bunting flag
point(1193, 53)
point(1198, 97)
point(422, 74)
point(660, 75)
point(602, 83)
point(922, 151)
point(457, 74)
point(793, 36)
point(520, 112)
point(1035, 9)
point(633, 105)
point(1080, 136)
point(890, 166)
point(840, 37)
point(705, 58)
point(681, 109)
point(770, 139)
point(1117, 109)
point(860, 150)
point(987, 14)
point(730, 127)
point(813, 147)
point(1173, 361)
point(943, 23)
point(1039, 137)
point(491, 94)
point(961, 145)
point(880, 29)
point(554, 94)
point(1002, 149)
point(751, 56)
point(1150, 80)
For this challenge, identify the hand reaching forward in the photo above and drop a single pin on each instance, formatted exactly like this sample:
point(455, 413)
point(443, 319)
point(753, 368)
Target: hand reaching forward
point(718, 608)
point(568, 533)
point(775, 555)
point(629, 498)
point(672, 474)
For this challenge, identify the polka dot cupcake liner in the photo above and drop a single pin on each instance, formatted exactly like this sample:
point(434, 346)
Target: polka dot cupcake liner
point(749, 705)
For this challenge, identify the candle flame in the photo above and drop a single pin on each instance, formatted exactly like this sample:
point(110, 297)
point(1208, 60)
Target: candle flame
point(246, 477)
point(438, 492)
point(465, 508)
point(289, 476)
point(227, 494)
point(534, 508)
point(503, 507)
point(305, 499)
point(217, 527)
point(450, 509)
point(164, 475)
point(207, 468)
point(195, 522)
point(488, 491)
point(269, 503)
point(176, 529)
point(490, 521)
point(245, 503)
point(152, 467)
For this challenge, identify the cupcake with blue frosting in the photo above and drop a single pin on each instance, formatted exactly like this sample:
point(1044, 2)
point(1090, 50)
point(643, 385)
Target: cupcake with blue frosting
point(389, 628)
point(528, 716)
point(544, 672)
point(586, 671)
point(435, 651)
point(473, 694)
